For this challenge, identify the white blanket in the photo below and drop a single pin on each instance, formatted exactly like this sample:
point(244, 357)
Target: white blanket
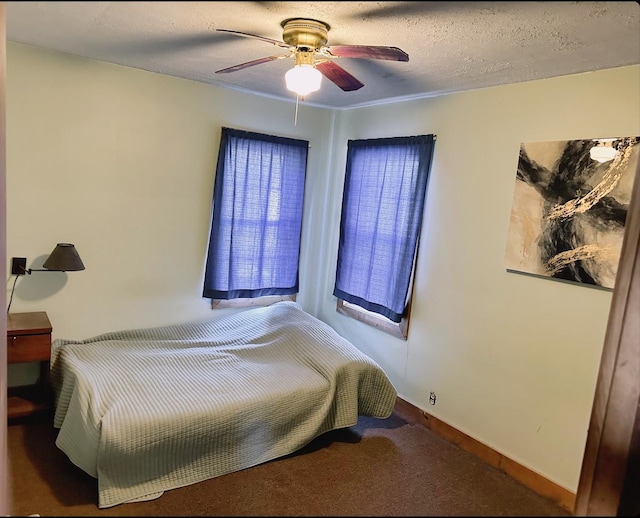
point(150, 410)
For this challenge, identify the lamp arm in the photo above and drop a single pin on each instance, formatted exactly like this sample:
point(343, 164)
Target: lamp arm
point(42, 270)
point(29, 270)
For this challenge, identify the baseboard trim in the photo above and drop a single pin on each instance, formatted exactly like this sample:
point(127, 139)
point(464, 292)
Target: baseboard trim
point(529, 478)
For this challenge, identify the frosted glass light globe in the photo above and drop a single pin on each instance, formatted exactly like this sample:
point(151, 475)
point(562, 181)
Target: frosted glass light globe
point(303, 79)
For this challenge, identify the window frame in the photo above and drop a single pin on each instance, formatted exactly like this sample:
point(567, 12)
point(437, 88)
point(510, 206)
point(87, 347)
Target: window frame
point(396, 329)
point(382, 323)
point(260, 300)
point(399, 330)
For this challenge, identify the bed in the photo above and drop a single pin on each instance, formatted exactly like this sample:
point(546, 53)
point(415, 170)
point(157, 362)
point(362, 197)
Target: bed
point(148, 410)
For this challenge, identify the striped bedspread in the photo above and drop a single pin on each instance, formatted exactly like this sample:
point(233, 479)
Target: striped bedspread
point(149, 410)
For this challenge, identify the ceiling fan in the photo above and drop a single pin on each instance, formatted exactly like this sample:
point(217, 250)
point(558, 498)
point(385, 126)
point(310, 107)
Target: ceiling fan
point(305, 39)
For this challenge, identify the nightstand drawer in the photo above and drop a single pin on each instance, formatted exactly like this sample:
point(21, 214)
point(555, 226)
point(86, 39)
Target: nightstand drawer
point(28, 348)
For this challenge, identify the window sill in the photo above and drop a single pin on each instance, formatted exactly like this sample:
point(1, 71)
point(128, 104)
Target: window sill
point(399, 330)
point(246, 303)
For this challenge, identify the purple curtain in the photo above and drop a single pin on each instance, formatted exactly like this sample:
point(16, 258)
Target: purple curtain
point(256, 222)
point(382, 206)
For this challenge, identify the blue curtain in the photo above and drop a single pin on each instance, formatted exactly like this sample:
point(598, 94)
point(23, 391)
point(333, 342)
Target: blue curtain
point(254, 244)
point(382, 206)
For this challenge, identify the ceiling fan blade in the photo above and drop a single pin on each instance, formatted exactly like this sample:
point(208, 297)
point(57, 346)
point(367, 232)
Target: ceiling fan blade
point(339, 76)
point(407, 9)
point(368, 51)
point(262, 38)
point(248, 64)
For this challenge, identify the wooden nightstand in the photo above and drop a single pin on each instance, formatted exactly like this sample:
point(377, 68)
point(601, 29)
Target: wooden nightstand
point(29, 340)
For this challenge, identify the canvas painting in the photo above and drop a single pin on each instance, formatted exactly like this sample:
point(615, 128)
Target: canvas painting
point(569, 208)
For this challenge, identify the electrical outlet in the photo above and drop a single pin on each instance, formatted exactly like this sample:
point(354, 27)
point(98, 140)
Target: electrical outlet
point(18, 265)
point(432, 398)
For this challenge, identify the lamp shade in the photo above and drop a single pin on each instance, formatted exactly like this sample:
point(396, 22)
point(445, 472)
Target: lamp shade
point(303, 79)
point(64, 258)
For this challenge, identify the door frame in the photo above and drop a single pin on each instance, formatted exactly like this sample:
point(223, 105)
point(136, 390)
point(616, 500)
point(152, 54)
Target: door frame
point(609, 482)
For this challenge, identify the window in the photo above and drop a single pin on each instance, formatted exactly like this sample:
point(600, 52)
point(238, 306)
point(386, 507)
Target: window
point(382, 206)
point(254, 243)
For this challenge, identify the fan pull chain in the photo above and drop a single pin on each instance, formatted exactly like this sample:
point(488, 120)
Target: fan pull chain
point(295, 117)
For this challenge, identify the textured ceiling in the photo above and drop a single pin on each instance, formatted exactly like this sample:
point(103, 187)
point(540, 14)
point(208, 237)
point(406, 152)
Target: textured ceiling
point(452, 46)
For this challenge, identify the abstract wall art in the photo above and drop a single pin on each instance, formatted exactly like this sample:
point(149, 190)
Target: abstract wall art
point(569, 208)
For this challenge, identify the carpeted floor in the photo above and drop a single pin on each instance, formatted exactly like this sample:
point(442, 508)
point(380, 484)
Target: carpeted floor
point(391, 467)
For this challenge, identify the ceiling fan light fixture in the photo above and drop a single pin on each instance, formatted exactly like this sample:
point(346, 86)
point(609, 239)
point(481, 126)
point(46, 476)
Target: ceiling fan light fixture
point(303, 79)
point(306, 41)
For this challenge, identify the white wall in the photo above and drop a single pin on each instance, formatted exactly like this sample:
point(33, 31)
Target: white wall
point(513, 359)
point(121, 162)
